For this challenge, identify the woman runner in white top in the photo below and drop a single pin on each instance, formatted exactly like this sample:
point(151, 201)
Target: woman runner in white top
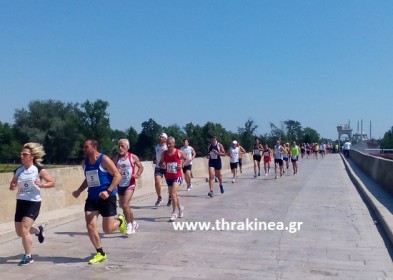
point(29, 179)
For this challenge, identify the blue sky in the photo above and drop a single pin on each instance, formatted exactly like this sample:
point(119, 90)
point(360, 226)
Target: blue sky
point(318, 62)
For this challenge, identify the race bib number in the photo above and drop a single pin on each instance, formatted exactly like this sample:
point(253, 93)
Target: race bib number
point(26, 186)
point(213, 155)
point(171, 167)
point(256, 152)
point(92, 178)
point(125, 177)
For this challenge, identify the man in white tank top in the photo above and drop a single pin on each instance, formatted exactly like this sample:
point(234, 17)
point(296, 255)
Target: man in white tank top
point(278, 158)
point(159, 172)
point(190, 154)
point(127, 164)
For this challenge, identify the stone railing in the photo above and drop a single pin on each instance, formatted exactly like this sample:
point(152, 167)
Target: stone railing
point(69, 179)
point(379, 169)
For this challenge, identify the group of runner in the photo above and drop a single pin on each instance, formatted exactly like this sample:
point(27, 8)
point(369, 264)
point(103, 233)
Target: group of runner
point(315, 149)
point(106, 178)
point(281, 154)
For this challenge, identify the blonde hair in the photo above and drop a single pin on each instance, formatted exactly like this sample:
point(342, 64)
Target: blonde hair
point(37, 151)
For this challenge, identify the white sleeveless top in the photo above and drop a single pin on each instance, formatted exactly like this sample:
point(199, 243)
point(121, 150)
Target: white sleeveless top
point(234, 153)
point(277, 152)
point(188, 152)
point(126, 168)
point(159, 149)
point(27, 189)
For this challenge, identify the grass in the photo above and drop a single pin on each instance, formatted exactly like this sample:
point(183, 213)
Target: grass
point(10, 167)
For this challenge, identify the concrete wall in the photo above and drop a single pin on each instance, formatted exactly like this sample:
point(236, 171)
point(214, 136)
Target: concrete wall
point(69, 179)
point(379, 169)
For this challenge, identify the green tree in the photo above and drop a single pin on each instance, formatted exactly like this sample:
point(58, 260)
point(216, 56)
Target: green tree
point(51, 123)
point(216, 129)
point(277, 133)
point(294, 130)
point(194, 133)
point(310, 135)
point(247, 134)
point(176, 132)
point(63, 140)
point(148, 139)
point(94, 123)
point(9, 147)
point(387, 140)
point(118, 134)
point(132, 136)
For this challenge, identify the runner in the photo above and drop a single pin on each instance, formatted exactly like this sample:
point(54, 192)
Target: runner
point(267, 158)
point(308, 150)
point(187, 169)
point(285, 156)
point(126, 163)
point(242, 151)
point(322, 150)
point(29, 179)
point(171, 160)
point(159, 172)
point(233, 153)
point(294, 156)
point(303, 150)
point(214, 153)
point(256, 156)
point(102, 177)
point(316, 150)
point(278, 161)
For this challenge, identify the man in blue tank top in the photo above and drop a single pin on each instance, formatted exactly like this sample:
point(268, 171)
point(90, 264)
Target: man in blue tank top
point(102, 177)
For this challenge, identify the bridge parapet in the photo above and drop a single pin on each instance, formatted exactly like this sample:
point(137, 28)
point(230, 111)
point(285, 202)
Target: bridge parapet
point(379, 169)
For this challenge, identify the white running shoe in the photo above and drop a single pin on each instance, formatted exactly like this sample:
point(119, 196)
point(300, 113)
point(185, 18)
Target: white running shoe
point(173, 217)
point(135, 226)
point(130, 229)
point(233, 181)
point(181, 211)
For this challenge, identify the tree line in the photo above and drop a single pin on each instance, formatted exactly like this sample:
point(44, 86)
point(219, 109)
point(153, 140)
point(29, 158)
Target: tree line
point(63, 127)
